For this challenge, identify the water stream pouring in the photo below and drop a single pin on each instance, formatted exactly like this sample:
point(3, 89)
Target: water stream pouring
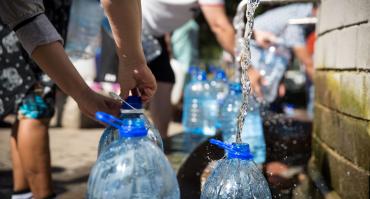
point(133, 168)
point(246, 10)
point(237, 176)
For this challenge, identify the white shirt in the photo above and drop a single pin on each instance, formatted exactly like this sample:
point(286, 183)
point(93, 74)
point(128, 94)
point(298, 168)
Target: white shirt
point(162, 16)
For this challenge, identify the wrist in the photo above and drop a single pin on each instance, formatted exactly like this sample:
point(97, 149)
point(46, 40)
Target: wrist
point(81, 93)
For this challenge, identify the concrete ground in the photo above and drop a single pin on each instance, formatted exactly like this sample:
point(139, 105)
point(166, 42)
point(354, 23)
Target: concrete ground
point(73, 154)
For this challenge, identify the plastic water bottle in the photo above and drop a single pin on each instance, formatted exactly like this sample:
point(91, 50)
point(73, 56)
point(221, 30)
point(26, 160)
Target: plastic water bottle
point(151, 46)
point(219, 85)
point(136, 168)
point(84, 28)
point(235, 177)
point(219, 89)
point(252, 128)
point(131, 111)
point(198, 102)
point(272, 68)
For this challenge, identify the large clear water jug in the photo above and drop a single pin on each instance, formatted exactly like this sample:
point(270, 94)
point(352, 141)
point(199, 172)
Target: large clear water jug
point(131, 111)
point(252, 132)
point(200, 107)
point(235, 177)
point(135, 168)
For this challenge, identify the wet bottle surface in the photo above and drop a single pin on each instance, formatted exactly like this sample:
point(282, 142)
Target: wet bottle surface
point(236, 177)
point(252, 132)
point(131, 112)
point(272, 68)
point(135, 169)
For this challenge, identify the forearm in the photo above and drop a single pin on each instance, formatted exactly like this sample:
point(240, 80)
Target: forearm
point(125, 19)
point(225, 37)
point(220, 26)
point(53, 60)
point(306, 59)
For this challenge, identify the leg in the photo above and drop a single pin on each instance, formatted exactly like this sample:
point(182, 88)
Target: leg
point(19, 178)
point(34, 153)
point(161, 108)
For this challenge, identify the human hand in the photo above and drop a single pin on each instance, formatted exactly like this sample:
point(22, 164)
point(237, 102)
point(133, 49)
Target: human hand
point(264, 39)
point(91, 102)
point(138, 77)
point(256, 80)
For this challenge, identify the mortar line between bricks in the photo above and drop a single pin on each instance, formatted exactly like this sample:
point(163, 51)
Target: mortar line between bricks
point(364, 70)
point(341, 113)
point(342, 27)
point(338, 156)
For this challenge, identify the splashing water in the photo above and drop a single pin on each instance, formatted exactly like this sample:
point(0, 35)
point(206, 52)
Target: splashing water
point(243, 55)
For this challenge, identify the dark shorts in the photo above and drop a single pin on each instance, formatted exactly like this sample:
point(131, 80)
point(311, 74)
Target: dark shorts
point(108, 67)
point(161, 66)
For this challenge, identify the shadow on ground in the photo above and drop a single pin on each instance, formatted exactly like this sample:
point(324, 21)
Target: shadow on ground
point(67, 184)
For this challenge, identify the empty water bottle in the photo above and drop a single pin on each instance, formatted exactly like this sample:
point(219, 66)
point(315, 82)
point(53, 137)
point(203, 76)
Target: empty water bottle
point(219, 85)
point(252, 132)
point(235, 177)
point(135, 168)
point(272, 68)
point(151, 46)
point(131, 111)
point(219, 89)
point(199, 106)
point(84, 28)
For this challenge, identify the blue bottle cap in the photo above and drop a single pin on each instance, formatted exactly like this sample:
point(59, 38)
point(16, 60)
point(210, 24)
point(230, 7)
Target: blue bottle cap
point(236, 87)
point(202, 76)
point(134, 101)
point(126, 129)
point(220, 75)
point(235, 150)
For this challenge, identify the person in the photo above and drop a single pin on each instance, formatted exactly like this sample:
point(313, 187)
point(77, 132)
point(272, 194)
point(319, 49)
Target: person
point(31, 94)
point(43, 43)
point(184, 51)
point(273, 27)
point(164, 16)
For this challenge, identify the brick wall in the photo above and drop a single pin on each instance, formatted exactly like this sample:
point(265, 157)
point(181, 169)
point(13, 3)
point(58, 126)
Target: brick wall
point(341, 139)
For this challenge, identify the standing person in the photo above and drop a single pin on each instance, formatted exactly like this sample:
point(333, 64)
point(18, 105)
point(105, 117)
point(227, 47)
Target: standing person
point(32, 94)
point(273, 27)
point(164, 16)
point(43, 43)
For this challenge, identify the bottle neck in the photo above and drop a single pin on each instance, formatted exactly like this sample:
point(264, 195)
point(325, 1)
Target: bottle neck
point(132, 111)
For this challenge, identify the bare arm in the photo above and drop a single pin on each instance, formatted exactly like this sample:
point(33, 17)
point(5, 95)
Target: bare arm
point(220, 26)
point(125, 19)
point(53, 60)
point(306, 59)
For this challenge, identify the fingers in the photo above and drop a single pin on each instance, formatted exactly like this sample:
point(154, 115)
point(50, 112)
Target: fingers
point(124, 92)
point(256, 88)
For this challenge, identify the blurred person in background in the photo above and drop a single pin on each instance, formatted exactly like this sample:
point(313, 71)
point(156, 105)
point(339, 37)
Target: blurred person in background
point(184, 53)
point(272, 28)
point(34, 97)
point(164, 16)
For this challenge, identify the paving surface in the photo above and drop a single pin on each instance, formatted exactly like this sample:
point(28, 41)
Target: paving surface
point(73, 154)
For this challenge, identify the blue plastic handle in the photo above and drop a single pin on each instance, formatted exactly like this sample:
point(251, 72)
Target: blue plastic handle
point(108, 119)
point(220, 144)
point(240, 151)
